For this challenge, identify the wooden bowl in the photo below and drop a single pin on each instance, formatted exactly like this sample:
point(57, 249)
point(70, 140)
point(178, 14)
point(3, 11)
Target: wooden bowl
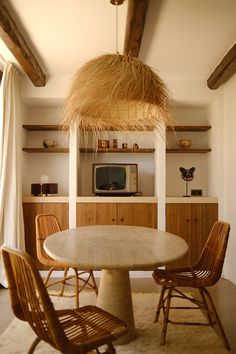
point(184, 144)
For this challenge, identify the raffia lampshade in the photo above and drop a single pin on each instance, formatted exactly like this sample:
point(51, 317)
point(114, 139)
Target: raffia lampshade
point(116, 92)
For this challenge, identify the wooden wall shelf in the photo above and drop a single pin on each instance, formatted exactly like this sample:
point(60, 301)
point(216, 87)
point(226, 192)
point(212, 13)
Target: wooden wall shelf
point(188, 151)
point(180, 128)
point(135, 151)
point(188, 128)
point(46, 151)
point(55, 127)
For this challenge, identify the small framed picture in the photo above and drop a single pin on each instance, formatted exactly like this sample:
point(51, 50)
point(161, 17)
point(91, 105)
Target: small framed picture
point(103, 144)
point(115, 144)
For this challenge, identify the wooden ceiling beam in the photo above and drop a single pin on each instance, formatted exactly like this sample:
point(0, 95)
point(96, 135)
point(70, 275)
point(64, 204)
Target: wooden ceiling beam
point(16, 43)
point(136, 16)
point(224, 70)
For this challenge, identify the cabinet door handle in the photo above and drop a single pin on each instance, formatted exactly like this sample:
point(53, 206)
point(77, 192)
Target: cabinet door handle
point(196, 220)
point(113, 219)
point(187, 220)
point(121, 219)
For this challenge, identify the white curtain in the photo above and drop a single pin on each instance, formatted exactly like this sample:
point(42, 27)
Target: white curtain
point(11, 215)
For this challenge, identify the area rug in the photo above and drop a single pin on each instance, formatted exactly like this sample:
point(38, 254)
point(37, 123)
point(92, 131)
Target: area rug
point(18, 336)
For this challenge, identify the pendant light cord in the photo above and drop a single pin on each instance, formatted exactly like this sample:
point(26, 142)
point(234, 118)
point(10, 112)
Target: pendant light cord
point(117, 52)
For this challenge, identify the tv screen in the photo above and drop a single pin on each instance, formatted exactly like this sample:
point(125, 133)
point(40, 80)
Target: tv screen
point(110, 178)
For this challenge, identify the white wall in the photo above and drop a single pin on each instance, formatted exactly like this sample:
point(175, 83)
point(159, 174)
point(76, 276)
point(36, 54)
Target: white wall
point(229, 109)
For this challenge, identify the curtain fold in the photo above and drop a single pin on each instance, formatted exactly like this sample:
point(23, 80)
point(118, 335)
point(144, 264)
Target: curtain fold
point(11, 215)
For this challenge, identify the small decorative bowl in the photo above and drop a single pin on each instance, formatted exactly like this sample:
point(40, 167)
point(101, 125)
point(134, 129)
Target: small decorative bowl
point(49, 143)
point(184, 144)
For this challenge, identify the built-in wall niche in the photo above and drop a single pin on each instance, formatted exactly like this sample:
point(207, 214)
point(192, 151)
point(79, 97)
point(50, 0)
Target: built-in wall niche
point(196, 117)
point(144, 160)
point(37, 164)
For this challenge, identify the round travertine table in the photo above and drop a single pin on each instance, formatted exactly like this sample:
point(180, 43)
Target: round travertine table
point(115, 249)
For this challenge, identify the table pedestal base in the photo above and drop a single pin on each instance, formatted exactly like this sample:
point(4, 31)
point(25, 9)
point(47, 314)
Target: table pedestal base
point(115, 297)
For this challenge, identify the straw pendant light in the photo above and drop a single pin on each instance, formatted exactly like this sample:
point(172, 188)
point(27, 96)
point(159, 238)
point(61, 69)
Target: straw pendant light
point(116, 92)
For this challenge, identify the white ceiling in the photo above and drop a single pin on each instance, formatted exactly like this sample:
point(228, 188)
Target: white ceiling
point(182, 38)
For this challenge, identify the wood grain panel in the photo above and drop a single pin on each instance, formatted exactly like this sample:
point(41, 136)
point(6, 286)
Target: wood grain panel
point(178, 222)
point(203, 218)
point(85, 214)
point(60, 210)
point(192, 222)
point(30, 210)
point(137, 214)
point(96, 214)
point(106, 213)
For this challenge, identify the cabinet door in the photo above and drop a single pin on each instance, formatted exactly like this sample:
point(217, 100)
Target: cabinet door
point(178, 222)
point(137, 214)
point(30, 210)
point(96, 214)
point(60, 210)
point(203, 218)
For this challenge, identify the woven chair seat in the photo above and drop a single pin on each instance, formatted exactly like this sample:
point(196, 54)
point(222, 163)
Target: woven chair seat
point(183, 277)
point(89, 325)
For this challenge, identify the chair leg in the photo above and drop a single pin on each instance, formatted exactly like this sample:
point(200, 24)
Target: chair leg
point(63, 283)
point(166, 318)
point(76, 288)
point(94, 282)
point(217, 319)
point(208, 312)
point(48, 276)
point(160, 304)
point(110, 349)
point(34, 345)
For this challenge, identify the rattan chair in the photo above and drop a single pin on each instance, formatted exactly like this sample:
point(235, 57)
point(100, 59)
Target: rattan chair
point(70, 330)
point(47, 224)
point(206, 272)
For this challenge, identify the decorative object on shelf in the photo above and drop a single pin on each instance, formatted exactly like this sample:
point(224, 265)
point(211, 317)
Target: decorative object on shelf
point(49, 143)
point(44, 179)
point(103, 144)
point(44, 188)
point(117, 91)
point(124, 146)
point(184, 144)
point(187, 175)
point(135, 146)
point(196, 192)
point(114, 144)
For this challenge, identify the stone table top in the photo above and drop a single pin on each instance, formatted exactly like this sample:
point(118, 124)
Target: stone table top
point(115, 247)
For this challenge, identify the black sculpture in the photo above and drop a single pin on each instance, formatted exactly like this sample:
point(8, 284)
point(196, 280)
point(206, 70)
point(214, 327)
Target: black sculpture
point(187, 175)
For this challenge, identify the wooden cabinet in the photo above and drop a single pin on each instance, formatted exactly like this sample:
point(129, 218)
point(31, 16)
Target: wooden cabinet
point(193, 223)
point(136, 214)
point(30, 210)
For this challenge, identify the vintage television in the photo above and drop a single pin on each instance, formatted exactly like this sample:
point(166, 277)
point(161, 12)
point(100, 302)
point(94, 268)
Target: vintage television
point(115, 179)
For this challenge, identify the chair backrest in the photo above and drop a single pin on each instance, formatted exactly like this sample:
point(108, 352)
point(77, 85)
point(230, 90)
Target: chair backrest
point(46, 224)
point(211, 260)
point(29, 298)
